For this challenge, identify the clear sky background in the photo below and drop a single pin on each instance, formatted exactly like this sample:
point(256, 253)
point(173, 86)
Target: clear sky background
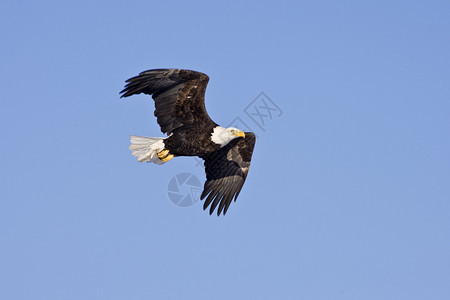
point(348, 195)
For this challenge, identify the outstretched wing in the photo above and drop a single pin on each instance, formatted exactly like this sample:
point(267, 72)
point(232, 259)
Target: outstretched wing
point(226, 170)
point(179, 96)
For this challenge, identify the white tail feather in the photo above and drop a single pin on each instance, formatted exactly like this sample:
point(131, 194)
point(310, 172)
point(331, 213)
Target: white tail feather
point(146, 148)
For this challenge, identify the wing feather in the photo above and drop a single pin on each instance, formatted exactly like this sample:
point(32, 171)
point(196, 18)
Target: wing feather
point(226, 171)
point(179, 96)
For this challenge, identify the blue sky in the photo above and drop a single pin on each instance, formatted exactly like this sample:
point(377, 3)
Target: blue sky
point(348, 195)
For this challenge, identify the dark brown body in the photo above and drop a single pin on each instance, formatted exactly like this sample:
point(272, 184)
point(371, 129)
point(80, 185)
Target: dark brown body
point(191, 141)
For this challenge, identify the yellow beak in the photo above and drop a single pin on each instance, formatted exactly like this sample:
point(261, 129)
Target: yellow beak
point(239, 133)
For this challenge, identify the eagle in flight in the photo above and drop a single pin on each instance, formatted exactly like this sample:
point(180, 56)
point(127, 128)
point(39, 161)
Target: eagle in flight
point(180, 112)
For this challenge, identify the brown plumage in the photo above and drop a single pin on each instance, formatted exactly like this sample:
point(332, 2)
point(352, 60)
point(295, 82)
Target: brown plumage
point(179, 96)
point(226, 170)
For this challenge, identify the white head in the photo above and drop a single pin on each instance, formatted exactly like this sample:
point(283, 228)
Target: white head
point(223, 136)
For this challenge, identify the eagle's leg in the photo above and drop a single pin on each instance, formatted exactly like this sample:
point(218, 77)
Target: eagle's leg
point(164, 155)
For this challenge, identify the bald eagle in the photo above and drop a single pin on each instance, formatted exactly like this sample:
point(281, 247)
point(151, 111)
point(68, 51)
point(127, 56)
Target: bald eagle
point(180, 112)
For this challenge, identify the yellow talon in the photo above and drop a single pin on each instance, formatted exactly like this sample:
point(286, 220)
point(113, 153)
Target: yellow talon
point(167, 158)
point(163, 154)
